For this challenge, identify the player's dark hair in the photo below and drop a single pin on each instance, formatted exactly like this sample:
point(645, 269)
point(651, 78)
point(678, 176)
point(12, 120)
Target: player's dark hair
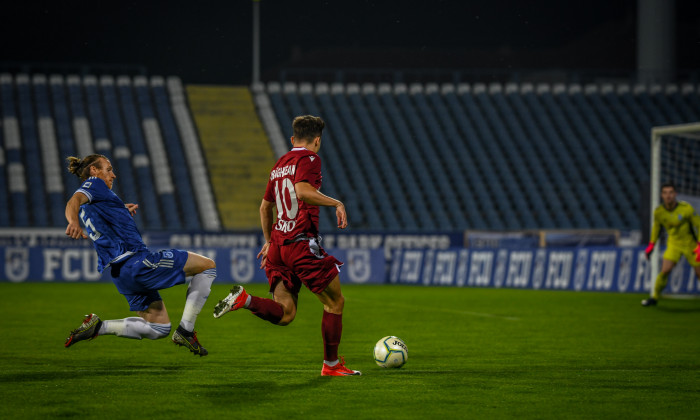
point(668, 185)
point(81, 167)
point(307, 127)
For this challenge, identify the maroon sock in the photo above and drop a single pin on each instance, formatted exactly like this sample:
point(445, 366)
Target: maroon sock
point(332, 329)
point(266, 309)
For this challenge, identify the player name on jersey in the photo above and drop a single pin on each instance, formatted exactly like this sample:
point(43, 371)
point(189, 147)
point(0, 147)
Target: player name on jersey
point(283, 171)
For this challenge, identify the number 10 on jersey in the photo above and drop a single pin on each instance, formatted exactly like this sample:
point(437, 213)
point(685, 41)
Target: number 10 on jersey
point(286, 215)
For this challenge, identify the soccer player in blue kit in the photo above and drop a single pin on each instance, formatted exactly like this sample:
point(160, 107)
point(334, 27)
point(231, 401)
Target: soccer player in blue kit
point(137, 272)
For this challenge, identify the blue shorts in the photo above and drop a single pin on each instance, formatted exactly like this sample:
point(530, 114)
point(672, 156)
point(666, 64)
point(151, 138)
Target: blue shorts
point(141, 276)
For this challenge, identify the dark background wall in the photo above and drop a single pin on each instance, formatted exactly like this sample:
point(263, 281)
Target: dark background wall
point(210, 41)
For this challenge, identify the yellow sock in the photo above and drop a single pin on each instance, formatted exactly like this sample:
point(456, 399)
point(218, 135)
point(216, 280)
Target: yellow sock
point(659, 285)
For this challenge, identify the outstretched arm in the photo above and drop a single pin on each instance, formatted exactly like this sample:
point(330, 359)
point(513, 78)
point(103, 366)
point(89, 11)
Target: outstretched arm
point(310, 195)
point(74, 230)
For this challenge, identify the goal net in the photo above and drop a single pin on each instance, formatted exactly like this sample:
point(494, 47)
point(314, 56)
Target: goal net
point(675, 157)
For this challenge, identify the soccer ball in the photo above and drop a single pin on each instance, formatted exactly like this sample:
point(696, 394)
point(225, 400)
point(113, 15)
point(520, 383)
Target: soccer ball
point(390, 352)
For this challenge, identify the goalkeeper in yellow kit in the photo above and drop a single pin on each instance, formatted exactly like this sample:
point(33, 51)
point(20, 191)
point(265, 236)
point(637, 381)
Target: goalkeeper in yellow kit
point(681, 224)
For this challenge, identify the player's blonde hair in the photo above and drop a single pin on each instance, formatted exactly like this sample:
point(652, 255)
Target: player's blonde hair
point(81, 167)
point(307, 127)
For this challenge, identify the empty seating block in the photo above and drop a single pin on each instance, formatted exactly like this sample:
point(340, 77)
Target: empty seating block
point(493, 157)
point(402, 157)
point(48, 118)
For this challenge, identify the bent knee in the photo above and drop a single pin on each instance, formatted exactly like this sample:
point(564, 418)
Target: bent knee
point(208, 264)
point(287, 318)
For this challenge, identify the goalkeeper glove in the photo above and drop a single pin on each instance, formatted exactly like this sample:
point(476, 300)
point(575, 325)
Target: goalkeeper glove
point(697, 253)
point(650, 248)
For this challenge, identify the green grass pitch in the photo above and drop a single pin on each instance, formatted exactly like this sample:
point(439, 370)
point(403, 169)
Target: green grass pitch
point(473, 353)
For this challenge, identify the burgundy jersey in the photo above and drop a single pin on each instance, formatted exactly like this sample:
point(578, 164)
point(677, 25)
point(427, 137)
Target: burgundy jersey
point(294, 217)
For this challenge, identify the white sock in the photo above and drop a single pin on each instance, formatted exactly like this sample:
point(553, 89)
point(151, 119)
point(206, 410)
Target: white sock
point(134, 327)
point(331, 364)
point(197, 294)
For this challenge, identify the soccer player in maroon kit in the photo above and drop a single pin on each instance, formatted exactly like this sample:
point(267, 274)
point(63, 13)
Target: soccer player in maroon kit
point(292, 253)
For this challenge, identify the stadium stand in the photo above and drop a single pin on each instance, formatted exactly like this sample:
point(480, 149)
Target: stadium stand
point(16, 167)
point(419, 157)
point(237, 152)
point(173, 148)
point(267, 117)
point(144, 178)
point(372, 163)
point(31, 150)
point(487, 157)
point(209, 217)
point(137, 123)
point(16, 182)
point(162, 177)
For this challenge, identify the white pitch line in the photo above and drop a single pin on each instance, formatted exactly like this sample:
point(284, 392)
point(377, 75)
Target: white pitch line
point(681, 297)
point(450, 311)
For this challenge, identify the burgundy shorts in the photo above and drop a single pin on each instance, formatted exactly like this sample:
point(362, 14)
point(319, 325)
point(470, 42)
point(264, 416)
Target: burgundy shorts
point(301, 262)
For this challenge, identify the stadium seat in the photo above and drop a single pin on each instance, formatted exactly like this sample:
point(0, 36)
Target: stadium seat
point(416, 157)
point(173, 147)
point(380, 154)
point(142, 161)
point(678, 99)
point(32, 148)
point(346, 136)
point(462, 169)
point(16, 178)
point(159, 157)
point(337, 183)
point(383, 215)
point(45, 119)
point(64, 131)
point(475, 160)
point(121, 151)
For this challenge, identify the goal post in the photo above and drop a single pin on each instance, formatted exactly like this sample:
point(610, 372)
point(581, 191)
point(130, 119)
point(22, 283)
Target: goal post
point(675, 157)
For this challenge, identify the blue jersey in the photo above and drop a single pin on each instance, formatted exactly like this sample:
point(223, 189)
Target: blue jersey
point(108, 223)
